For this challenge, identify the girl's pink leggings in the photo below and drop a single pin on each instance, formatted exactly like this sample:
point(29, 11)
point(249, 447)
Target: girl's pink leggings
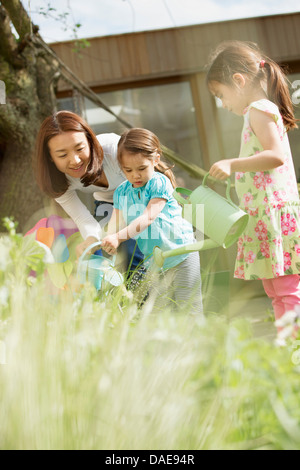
point(284, 292)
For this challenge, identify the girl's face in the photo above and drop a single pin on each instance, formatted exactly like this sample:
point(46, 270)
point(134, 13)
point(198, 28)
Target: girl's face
point(138, 169)
point(70, 152)
point(233, 97)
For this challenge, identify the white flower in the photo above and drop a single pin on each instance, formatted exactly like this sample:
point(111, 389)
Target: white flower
point(285, 333)
point(287, 319)
point(280, 342)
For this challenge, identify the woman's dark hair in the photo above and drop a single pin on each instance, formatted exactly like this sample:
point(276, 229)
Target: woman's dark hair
point(246, 58)
point(50, 180)
point(138, 140)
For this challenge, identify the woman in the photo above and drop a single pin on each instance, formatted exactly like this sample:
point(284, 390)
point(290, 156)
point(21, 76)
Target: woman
point(70, 158)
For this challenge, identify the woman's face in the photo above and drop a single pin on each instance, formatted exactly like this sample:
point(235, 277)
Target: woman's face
point(70, 152)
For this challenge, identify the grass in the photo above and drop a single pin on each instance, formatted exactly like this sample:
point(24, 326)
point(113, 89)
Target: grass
point(90, 370)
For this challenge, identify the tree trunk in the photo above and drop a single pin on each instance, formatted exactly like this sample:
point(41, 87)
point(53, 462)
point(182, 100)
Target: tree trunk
point(28, 74)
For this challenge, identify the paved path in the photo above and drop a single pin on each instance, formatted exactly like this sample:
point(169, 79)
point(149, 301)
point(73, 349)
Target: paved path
point(235, 298)
point(259, 311)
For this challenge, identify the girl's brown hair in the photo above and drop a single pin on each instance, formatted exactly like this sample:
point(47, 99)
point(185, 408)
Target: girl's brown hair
point(137, 140)
point(232, 57)
point(50, 180)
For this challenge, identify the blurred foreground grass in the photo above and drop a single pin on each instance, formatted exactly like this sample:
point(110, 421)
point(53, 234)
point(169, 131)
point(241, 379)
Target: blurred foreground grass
point(90, 371)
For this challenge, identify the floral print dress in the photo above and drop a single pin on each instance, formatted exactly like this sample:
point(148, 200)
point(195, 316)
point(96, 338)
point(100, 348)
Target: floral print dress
point(270, 245)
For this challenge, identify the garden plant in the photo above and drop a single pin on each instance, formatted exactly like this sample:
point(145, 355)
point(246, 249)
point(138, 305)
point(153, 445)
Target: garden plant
point(82, 369)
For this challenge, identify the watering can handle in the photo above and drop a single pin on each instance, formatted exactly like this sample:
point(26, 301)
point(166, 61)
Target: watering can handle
point(88, 249)
point(227, 189)
point(180, 199)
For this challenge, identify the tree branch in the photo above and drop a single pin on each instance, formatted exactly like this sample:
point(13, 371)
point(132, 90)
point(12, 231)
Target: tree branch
point(18, 16)
point(8, 44)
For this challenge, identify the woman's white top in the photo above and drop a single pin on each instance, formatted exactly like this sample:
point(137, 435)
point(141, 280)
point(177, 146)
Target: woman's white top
point(74, 207)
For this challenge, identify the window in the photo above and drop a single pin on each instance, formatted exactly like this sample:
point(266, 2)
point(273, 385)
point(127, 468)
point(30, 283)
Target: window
point(167, 110)
point(231, 127)
point(294, 135)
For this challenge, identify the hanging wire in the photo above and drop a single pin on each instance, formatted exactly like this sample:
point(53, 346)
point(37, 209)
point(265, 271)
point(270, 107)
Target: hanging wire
point(133, 13)
point(169, 12)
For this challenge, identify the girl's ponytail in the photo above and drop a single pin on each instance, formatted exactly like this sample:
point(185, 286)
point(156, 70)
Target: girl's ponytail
point(161, 167)
point(278, 92)
point(246, 58)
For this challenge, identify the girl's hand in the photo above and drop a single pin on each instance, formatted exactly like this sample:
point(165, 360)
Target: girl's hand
point(84, 245)
point(221, 169)
point(110, 244)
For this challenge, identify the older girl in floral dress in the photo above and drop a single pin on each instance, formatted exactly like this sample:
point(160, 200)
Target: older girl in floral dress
point(253, 85)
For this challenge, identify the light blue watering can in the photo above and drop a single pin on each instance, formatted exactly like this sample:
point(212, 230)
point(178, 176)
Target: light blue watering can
point(219, 218)
point(97, 268)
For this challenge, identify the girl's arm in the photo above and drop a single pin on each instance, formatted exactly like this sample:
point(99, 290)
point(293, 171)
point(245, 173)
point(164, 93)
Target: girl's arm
point(115, 223)
point(153, 209)
point(271, 157)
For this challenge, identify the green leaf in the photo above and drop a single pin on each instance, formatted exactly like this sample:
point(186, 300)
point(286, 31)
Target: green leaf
point(57, 275)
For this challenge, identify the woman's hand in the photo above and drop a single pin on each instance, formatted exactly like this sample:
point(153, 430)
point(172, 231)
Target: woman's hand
point(84, 245)
point(110, 243)
point(221, 170)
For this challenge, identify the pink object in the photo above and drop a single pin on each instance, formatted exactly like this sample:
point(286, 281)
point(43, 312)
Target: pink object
point(60, 226)
point(284, 292)
point(41, 223)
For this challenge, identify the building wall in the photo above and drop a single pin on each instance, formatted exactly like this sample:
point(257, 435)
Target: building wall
point(154, 58)
point(156, 79)
point(177, 51)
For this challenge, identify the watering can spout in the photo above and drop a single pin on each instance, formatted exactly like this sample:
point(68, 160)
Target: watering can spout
point(218, 218)
point(160, 256)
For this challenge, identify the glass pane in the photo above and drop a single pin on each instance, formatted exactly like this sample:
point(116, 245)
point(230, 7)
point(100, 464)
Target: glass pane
point(294, 135)
point(231, 127)
point(167, 110)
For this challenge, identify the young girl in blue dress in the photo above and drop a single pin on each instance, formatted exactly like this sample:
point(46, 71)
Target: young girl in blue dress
point(145, 209)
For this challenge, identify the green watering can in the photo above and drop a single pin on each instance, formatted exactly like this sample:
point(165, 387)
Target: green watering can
point(219, 218)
